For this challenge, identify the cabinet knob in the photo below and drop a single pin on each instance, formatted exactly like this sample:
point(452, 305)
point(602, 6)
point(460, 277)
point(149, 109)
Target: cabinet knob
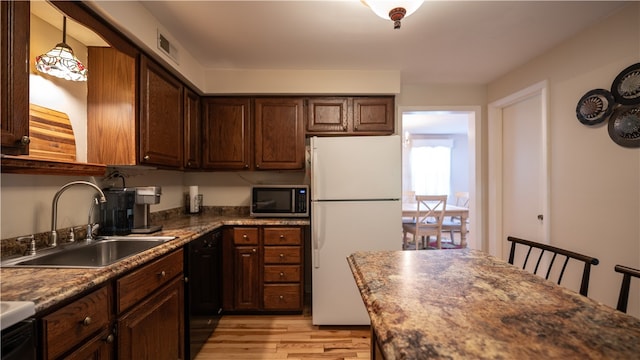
point(25, 140)
point(254, 250)
point(109, 339)
point(281, 256)
point(281, 236)
point(281, 274)
point(162, 274)
point(146, 157)
point(258, 166)
point(246, 166)
point(188, 163)
point(281, 297)
point(245, 236)
point(86, 321)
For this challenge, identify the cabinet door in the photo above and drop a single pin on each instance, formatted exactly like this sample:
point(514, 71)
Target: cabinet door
point(373, 115)
point(154, 329)
point(192, 135)
point(98, 348)
point(327, 115)
point(161, 127)
point(279, 134)
point(111, 107)
point(226, 133)
point(246, 278)
point(14, 72)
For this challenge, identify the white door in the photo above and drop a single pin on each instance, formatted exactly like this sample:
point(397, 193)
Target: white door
point(519, 204)
point(356, 168)
point(338, 229)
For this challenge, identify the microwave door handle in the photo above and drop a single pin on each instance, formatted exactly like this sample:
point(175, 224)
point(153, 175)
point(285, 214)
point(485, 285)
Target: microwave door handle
point(293, 200)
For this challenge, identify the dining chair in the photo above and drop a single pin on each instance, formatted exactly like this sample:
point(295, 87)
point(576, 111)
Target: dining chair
point(452, 224)
point(407, 198)
point(627, 273)
point(548, 264)
point(429, 216)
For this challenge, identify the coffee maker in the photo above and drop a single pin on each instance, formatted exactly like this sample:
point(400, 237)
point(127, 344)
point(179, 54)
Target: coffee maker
point(145, 196)
point(117, 214)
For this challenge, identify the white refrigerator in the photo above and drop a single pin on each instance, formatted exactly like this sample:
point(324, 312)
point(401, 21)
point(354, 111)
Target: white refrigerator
point(356, 189)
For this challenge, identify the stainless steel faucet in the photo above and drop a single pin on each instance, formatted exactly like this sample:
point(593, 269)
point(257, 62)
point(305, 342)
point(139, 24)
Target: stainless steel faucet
point(54, 207)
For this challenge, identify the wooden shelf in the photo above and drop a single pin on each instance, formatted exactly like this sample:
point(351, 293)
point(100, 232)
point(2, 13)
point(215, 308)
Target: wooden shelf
point(28, 165)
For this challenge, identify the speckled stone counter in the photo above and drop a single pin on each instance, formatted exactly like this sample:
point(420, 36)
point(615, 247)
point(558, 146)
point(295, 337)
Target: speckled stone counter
point(47, 287)
point(465, 304)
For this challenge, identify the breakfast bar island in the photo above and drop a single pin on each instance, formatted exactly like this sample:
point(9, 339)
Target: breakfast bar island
point(466, 304)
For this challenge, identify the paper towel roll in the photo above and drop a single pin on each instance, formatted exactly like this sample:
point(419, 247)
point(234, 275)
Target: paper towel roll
point(193, 199)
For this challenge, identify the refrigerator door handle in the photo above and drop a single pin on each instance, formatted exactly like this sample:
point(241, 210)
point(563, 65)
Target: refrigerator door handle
point(315, 233)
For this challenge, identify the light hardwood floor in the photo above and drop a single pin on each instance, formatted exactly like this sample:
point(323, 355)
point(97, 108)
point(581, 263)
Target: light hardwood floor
point(284, 337)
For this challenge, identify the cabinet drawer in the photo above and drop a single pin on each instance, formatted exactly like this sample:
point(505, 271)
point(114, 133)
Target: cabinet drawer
point(282, 255)
point(72, 324)
point(142, 282)
point(282, 273)
point(245, 236)
point(282, 297)
point(282, 236)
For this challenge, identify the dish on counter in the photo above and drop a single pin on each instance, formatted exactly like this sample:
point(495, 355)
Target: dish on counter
point(595, 107)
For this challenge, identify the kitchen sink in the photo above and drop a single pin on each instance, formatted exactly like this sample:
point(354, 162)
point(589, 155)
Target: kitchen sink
point(99, 253)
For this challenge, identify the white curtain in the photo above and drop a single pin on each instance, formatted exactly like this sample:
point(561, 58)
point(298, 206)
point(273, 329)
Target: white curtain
point(430, 162)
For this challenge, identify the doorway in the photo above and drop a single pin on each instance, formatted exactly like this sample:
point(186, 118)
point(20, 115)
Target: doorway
point(443, 133)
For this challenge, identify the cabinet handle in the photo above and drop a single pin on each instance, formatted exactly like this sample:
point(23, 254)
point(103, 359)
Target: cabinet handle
point(281, 236)
point(188, 163)
point(254, 250)
point(281, 256)
point(86, 321)
point(109, 339)
point(281, 274)
point(146, 157)
point(281, 297)
point(258, 166)
point(25, 140)
point(244, 236)
point(162, 274)
point(246, 166)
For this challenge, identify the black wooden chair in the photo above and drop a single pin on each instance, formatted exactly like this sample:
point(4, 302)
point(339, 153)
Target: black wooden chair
point(627, 273)
point(588, 260)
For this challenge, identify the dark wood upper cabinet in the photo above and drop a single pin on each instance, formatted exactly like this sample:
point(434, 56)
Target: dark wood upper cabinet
point(356, 115)
point(327, 114)
point(373, 114)
point(14, 74)
point(226, 134)
point(192, 132)
point(279, 133)
point(161, 130)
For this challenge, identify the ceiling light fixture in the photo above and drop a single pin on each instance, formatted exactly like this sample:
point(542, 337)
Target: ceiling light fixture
point(61, 62)
point(394, 10)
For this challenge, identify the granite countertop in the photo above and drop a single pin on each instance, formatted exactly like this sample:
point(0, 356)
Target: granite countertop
point(47, 287)
point(466, 304)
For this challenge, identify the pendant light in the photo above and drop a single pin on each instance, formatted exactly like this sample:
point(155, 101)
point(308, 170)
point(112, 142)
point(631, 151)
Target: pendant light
point(394, 10)
point(61, 62)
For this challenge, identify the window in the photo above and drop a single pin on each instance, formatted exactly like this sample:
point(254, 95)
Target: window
point(430, 166)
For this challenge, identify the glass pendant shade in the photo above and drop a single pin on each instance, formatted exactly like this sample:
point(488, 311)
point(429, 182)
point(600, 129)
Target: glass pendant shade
point(61, 62)
point(394, 10)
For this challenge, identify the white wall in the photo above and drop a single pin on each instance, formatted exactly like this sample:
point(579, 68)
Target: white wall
point(595, 184)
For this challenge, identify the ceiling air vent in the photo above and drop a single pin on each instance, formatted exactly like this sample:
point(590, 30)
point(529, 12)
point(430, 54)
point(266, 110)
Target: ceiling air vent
point(166, 47)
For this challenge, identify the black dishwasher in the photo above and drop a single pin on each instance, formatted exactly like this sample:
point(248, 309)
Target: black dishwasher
point(19, 341)
point(203, 287)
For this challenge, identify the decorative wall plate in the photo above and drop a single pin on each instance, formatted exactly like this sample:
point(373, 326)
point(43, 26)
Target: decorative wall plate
point(624, 126)
point(626, 86)
point(595, 107)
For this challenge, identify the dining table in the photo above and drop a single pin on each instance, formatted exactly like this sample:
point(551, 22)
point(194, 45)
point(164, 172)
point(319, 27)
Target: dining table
point(410, 210)
point(467, 304)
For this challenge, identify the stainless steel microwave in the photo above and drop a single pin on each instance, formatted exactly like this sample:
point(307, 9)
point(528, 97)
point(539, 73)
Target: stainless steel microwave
point(280, 200)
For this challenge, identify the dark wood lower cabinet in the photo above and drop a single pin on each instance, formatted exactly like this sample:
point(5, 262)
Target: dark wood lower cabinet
point(98, 348)
point(154, 328)
point(246, 278)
